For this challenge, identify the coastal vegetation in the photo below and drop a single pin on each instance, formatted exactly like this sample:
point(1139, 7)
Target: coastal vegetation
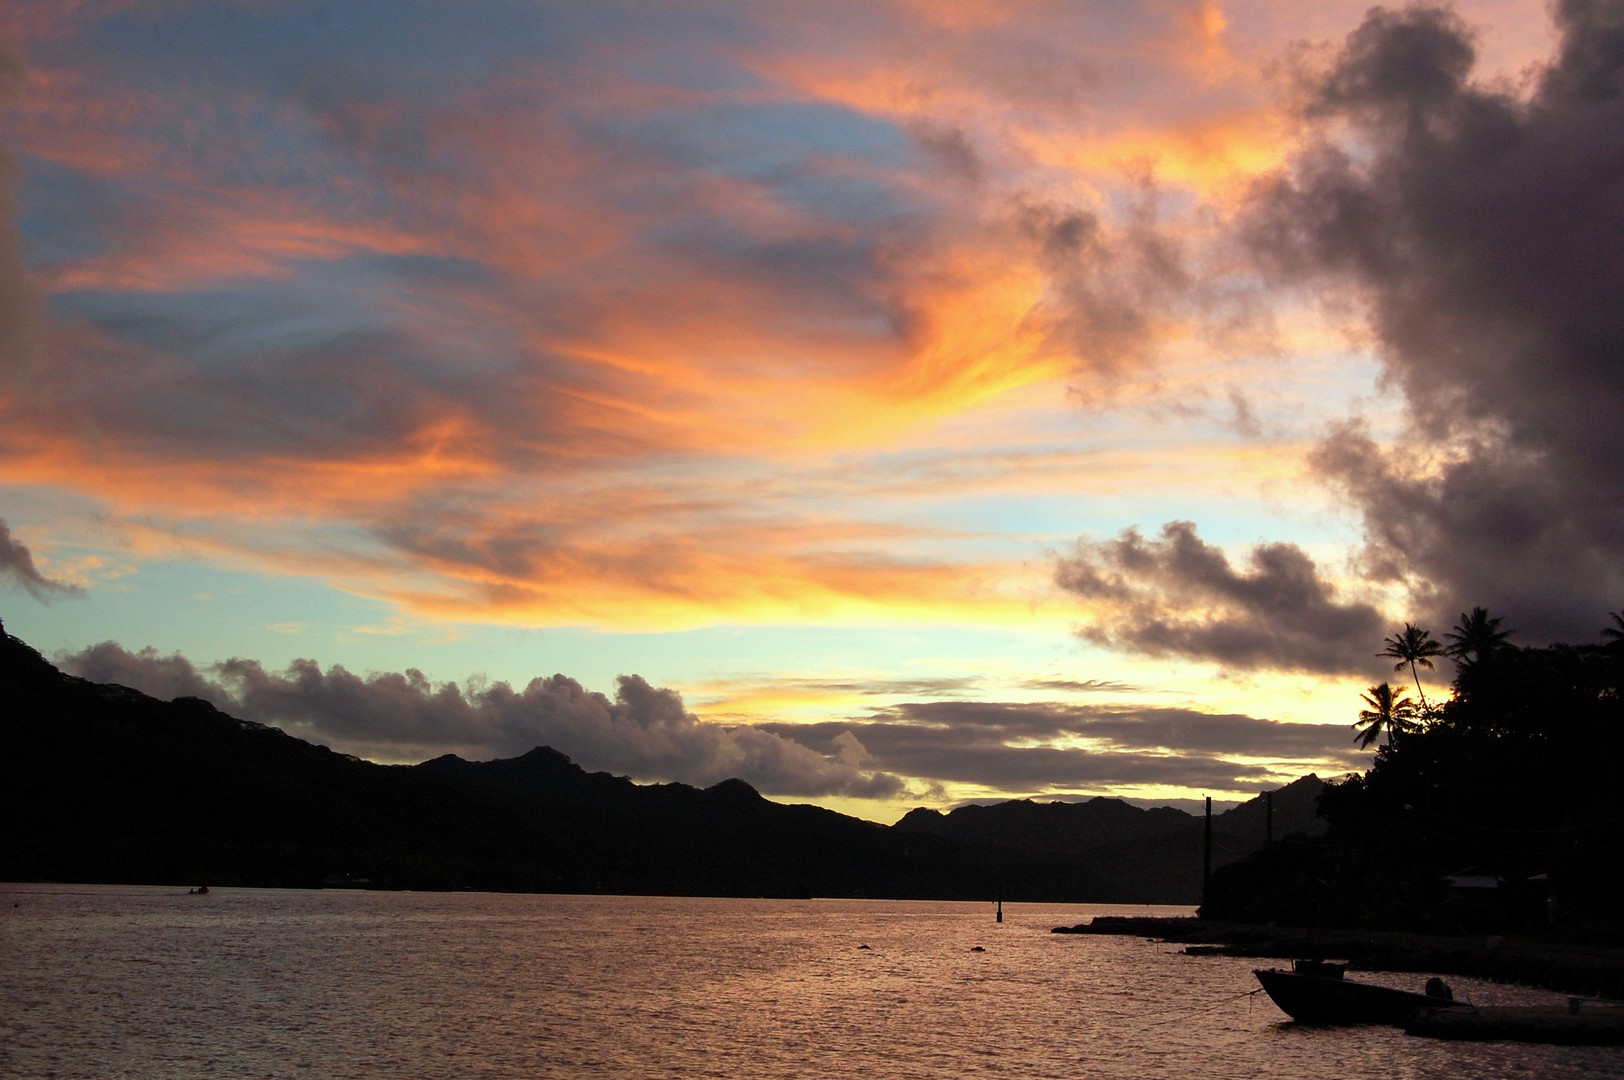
point(1498, 808)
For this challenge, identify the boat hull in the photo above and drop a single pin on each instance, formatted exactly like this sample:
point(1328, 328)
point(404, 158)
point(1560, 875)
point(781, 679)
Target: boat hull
point(1580, 1024)
point(1316, 999)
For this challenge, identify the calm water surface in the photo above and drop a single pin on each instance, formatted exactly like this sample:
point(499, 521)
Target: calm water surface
point(108, 982)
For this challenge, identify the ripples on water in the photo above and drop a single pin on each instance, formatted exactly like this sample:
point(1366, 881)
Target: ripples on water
point(110, 982)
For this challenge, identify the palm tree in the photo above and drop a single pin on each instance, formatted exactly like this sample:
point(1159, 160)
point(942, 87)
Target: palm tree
point(1613, 648)
point(1413, 646)
point(1389, 711)
point(1475, 638)
point(1614, 633)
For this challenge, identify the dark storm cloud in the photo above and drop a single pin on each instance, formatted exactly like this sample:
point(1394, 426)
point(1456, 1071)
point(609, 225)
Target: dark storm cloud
point(1484, 232)
point(1002, 745)
point(1179, 596)
point(645, 731)
point(17, 563)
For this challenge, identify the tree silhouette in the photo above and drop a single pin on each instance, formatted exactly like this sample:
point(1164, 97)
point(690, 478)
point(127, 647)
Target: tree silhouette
point(1475, 638)
point(1615, 633)
point(1389, 711)
point(1413, 646)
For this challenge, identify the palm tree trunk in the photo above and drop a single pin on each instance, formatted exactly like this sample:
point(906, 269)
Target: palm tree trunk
point(1417, 676)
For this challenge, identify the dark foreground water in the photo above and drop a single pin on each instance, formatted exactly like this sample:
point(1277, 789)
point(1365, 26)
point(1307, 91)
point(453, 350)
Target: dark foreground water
point(106, 982)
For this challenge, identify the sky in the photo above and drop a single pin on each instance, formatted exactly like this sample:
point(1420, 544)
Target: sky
point(890, 403)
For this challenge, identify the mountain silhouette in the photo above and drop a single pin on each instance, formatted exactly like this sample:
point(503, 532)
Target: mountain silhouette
point(1155, 855)
point(99, 782)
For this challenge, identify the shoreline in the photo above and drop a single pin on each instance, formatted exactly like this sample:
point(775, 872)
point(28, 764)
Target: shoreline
point(1592, 971)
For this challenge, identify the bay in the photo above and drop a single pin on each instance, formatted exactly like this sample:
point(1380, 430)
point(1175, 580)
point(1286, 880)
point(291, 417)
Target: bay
point(112, 982)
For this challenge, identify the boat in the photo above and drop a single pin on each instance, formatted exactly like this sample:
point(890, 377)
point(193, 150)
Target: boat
point(1314, 992)
point(1582, 1022)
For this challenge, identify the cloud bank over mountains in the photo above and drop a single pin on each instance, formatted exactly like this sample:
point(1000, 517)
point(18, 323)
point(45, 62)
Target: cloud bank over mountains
point(644, 731)
point(1043, 746)
point(902, 752)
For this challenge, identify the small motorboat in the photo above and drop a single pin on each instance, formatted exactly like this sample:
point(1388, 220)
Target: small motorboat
point(1314, 992)
point(1582, 1022)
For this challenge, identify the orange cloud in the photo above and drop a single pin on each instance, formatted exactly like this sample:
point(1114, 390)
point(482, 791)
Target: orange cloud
point(675, 583)
point(568, 343)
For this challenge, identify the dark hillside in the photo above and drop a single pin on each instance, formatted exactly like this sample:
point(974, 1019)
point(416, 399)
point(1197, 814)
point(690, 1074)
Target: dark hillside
point(1155, 855)
point(101, 783)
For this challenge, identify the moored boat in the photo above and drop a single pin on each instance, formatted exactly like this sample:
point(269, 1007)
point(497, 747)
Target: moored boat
point(1582, 1022)
point(1314, 992)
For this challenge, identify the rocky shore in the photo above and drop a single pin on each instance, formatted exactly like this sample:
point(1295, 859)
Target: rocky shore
point(1590, 970)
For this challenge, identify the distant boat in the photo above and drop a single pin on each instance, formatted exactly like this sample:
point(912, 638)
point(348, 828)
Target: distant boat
point(1314, 992)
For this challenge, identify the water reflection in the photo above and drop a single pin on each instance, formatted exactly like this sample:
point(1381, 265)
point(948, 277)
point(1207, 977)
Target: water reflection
point(128, 982)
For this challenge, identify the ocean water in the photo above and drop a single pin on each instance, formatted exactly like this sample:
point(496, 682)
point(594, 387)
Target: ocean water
point(111, 982)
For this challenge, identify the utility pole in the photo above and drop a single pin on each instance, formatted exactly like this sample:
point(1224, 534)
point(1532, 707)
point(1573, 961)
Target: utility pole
point(1206, 854)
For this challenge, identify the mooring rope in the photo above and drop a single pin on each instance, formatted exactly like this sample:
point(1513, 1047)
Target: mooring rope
point(1180, 1014)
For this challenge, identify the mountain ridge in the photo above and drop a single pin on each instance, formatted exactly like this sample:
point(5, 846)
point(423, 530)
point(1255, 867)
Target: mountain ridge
point(1155, 852)
point(103, 783)
point(99, 782)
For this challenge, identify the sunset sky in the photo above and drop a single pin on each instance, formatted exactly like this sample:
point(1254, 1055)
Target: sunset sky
point(888, 403)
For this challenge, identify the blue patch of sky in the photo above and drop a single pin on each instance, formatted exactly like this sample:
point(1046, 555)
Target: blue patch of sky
point(778, 144)
point(201, 611)
point(217, 328)
point(402, 49)
point(65, 212)
point(249, 58)
point(762, 139)
point(263, 143)
point(412, 49)
point(962, 511)
point(428, 269)
point(1227, 518)
point(1030, 527)
point(843, 196)
point(325, 300)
